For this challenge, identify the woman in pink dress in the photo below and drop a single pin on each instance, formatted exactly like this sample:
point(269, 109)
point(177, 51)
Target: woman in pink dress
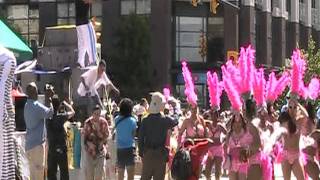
point(235, 148)
point(216, 132)
point(291, 161)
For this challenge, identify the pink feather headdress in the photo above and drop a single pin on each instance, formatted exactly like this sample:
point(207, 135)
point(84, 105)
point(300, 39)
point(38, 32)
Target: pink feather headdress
point(276, 87)
point(189, 85)
point(234, 75)
point(166, 93)
point(215, 90)
point(259, 87)
point(246, 69)
point(313, 89)
point(298, 70)
point(230, 89)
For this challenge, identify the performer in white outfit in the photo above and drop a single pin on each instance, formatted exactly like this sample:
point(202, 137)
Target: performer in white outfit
point(7, 115)
point(86, 34)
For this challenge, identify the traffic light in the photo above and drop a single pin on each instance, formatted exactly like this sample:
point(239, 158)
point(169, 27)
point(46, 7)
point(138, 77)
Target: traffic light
point(194, 3)
point(213, 6)
point(233, 56)
point(203, 45)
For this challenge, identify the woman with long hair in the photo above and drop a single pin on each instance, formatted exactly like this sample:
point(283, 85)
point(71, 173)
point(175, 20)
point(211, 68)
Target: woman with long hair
point(216, 131)
point(254, 148)
point(235, 148)
point(291, 153)
point(310, 139)
point(193, 126)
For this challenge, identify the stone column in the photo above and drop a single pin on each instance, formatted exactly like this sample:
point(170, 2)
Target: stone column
point(231, 29)
point(161, 26)
point(279, 34)
point(306, 25)
point(264, 47)
point(247, 28)
point(110, 21)
point(293, 27)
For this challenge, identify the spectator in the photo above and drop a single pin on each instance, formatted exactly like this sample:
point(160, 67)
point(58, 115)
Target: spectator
point(95, 134)
point(126, 126)
point(35, 114)
point(152, 139)
point(57, 151)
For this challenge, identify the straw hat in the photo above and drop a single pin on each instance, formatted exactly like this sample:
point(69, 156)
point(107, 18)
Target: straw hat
point(157, 103)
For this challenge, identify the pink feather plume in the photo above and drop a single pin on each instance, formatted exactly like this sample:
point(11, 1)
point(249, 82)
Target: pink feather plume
point(276, 87)
point(233, 94)
point(259, 87)
point(298, 69)
point(189, 85)
point(215, 89)
point(314, 88)
point(166, 93)
point(246, 68)
point(234, 75)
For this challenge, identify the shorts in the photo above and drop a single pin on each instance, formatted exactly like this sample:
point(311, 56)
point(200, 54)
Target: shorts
point(126, 157)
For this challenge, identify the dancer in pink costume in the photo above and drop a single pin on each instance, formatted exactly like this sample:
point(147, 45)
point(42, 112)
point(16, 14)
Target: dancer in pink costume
point(310, 138)
point(216, 132)
point(236, 146)
point(291, 160)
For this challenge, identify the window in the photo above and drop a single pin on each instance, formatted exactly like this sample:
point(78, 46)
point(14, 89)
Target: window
point(188, 31)
point(135, 6)
point(313, 3)
point(24, 20)
point(66, 13)
point(215, 42)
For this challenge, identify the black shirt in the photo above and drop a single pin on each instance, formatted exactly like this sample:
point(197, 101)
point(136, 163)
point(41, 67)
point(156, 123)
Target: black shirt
point(56, 133)
point(82, 12)
point(153, 131)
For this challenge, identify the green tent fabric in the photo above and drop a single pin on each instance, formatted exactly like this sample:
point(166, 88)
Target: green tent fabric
point(10, 40)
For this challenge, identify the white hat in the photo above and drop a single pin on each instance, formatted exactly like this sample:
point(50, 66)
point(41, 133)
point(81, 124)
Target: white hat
point(157, 103)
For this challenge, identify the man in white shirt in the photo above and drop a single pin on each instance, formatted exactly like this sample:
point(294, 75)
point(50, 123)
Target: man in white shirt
point(91, 80)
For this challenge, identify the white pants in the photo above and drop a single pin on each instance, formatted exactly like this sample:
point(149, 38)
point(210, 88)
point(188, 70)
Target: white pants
point(36, 157)
point(94, 168)
point(86, 44)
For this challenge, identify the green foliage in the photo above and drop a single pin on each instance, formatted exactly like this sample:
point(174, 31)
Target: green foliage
point(312, 54)
point(130, 58)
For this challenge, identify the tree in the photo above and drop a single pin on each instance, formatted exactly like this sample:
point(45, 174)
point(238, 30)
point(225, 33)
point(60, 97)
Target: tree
point(312, 54)
point(130, 58)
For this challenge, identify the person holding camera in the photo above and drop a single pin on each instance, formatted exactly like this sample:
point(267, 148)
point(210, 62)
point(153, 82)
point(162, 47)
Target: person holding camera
point(57, 151)
point(35, 114)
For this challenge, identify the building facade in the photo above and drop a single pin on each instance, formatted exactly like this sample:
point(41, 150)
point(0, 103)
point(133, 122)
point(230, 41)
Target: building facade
point(274, 27)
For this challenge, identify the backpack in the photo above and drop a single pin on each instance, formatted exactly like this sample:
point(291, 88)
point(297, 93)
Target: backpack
point(181, 168)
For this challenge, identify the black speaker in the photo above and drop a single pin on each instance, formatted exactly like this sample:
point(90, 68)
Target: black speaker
point(19, 103)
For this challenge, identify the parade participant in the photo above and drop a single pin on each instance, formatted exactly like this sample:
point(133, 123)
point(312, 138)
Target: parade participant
point(216, 132)
point(291, 153)
point(193, 126)
point(152, 139)
point(235, 148)
point(35, 114)
point(8, 156)
point(57, 147)
point(125, 127)
point(310, 145)
point(91, 80)
point(86, 34)
point(95, 134)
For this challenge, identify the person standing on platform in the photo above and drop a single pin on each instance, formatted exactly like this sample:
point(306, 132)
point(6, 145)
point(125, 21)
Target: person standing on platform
point(35, 114)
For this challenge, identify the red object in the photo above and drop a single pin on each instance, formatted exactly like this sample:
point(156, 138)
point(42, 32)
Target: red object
point(17, 93)
point(197, 153)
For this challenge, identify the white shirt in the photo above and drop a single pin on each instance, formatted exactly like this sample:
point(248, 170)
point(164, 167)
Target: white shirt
point(91, 79)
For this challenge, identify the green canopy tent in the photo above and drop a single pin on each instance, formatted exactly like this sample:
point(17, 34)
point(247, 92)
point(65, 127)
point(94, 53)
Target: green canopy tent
point(10, 40)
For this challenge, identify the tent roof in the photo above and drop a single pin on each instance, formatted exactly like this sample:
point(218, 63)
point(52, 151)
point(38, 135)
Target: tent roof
point(10, 40)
